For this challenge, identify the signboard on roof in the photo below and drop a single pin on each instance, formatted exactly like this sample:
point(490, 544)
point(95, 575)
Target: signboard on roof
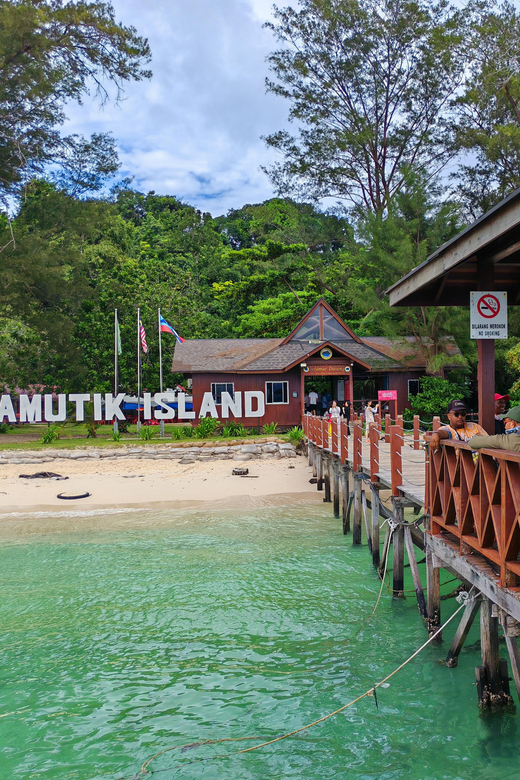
point(488, 315)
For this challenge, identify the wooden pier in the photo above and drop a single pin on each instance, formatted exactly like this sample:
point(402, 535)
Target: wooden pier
point(466, 518)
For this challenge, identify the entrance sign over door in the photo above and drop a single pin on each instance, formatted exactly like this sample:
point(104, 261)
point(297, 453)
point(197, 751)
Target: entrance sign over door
point(488, 315)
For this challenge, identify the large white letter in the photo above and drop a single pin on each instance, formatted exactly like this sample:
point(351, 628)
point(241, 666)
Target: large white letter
point(230, 405)
point(7, 409)
point(182, 414)
point(165, 412)
point(248, 397)
point(147, 406)
point(208, 405)
point(80, 399)
point(30, 408)
point(98, 411)
point(113, 406)
point(61, 416)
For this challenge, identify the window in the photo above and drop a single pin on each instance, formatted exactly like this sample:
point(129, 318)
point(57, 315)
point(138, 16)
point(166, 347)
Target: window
point(413, 387)
point(277, 392)
point(217, 388)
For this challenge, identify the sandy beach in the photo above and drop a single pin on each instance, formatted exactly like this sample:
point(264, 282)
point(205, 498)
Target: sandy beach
point(128, 483)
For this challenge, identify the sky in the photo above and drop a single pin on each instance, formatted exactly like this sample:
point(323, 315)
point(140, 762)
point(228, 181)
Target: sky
point(194, 130)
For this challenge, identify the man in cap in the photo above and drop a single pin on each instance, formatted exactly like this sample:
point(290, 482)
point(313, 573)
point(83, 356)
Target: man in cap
point(510, 440)
point(500, 407)
point(458, 428)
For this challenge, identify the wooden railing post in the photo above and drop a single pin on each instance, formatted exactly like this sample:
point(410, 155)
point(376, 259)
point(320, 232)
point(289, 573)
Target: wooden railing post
point(436, 424)
point(388, 423)
point(416, 432)
point(396, 466)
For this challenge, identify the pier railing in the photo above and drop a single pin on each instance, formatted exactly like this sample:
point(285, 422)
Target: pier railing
point(386, 465)
point(477, 501)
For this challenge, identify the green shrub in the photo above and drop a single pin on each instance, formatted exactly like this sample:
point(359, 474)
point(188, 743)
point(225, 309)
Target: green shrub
point(146, 433)
point(233, 428)
point(4, 427)
point(50, 435)
point(92, 427)
point(177, 434)
point(206, 427)
point(187, 431)
point(270, 428)
point(434, 397)
point(295, 435)
point(116, 436)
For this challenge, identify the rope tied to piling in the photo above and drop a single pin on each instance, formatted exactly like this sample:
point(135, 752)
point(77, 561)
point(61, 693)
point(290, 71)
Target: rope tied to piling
point(370, 692)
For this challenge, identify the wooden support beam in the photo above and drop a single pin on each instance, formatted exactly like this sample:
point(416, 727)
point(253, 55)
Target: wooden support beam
point(416, 431)
point(419, 592)
point(386, 549)
point(367, 522)
point(326, 477)
point(398, 560)
point(335, 485)
point(514, 660)
point(356, 520)
point(319, 469)
point(492, 688)
point(433, 595)
point(345, 498)
point(375, 526)
point(468, 616)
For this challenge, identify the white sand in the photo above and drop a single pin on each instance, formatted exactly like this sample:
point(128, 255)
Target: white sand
point(128, 483)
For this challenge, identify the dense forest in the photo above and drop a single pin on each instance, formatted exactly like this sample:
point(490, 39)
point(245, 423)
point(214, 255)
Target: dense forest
point(383, 106)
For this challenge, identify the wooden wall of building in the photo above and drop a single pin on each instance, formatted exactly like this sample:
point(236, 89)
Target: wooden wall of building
point(286, 415)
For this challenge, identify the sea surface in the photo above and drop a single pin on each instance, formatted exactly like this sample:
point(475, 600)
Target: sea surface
point(177, 629)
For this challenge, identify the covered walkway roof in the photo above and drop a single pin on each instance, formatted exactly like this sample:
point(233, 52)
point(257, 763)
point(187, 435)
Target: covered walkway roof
point(486, 255)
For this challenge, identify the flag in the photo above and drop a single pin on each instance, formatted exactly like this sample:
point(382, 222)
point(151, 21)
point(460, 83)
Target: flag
point(118, 338)
point(167, 328)
point(143, 337)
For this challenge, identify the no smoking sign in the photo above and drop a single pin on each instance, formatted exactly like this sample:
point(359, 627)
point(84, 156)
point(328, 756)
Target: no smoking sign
point(488, 315)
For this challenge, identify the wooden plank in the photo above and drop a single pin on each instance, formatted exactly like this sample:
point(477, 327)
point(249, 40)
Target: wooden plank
point(335, 485)
point(514, 660)
point(356, 520)
point(345, 498)
point(398, 558)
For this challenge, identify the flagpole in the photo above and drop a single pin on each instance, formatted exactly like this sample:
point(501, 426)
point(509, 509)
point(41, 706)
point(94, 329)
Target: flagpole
point(116, 366)
point(160, 366)
point(138, 370)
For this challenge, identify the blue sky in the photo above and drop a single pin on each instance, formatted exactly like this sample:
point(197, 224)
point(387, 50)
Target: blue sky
point(194, 130)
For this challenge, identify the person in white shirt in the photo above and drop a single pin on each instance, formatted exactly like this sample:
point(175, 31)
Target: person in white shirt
point(313, 401)
point(370, 412)
point(334, 412)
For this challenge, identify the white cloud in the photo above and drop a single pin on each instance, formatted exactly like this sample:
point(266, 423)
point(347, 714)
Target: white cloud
point(194, 130)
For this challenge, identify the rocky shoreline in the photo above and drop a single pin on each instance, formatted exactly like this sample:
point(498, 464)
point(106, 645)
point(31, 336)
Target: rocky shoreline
point(184, 453)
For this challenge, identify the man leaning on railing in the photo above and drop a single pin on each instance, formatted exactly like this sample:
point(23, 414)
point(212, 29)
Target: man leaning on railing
point(510, 440)
point(458, 428)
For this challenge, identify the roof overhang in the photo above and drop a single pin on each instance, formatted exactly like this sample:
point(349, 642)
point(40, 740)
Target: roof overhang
point(447, 276)
point(333, 346)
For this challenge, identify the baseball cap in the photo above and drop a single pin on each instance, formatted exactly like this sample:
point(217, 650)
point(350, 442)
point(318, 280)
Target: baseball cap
point(457, 406)
point(513, 414)
point(499, 397)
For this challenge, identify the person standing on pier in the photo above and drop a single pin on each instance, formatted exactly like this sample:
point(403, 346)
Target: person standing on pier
point(370, 412)
point(458, 428)
point(345, 411)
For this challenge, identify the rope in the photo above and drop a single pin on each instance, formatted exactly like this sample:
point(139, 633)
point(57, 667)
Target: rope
point(370, 692)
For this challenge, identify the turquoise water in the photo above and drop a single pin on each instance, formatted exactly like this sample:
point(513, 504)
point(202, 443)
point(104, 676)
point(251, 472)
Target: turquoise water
point(118, 644)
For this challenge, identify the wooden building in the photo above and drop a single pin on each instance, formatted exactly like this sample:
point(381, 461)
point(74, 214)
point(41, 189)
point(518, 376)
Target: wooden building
point(321, 345)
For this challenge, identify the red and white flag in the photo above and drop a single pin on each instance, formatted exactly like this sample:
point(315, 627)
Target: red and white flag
point(143, 337)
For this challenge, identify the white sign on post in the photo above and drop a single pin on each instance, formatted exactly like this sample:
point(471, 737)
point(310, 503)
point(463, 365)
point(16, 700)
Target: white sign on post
point(488, 315)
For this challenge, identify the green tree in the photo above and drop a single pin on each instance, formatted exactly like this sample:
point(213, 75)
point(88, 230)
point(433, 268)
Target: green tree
point(487, 130)
point(368, 82)
point(52, 52)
